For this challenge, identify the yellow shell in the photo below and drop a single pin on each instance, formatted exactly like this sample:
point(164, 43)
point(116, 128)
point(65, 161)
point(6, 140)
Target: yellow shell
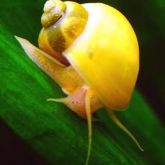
point(106, 55)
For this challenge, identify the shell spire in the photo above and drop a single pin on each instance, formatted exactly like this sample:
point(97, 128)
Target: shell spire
point(53, 10)
point(62, 22)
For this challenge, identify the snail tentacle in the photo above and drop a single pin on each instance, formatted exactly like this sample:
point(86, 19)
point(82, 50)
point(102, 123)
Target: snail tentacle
point(120, 125)
point(88, 97)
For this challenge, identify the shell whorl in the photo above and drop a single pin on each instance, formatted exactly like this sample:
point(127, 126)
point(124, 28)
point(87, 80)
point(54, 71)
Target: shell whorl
point(62, 23)
point(53, 11)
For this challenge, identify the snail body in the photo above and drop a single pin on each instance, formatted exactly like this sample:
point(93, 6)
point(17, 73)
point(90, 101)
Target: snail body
point(92, 52)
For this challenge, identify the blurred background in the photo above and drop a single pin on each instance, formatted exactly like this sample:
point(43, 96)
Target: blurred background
point(148, 20)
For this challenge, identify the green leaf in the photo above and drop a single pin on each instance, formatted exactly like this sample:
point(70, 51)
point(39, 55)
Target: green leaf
point(51, 128)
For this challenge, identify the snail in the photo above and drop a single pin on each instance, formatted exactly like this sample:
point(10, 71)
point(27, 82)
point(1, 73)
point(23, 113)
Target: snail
point(92, 52)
